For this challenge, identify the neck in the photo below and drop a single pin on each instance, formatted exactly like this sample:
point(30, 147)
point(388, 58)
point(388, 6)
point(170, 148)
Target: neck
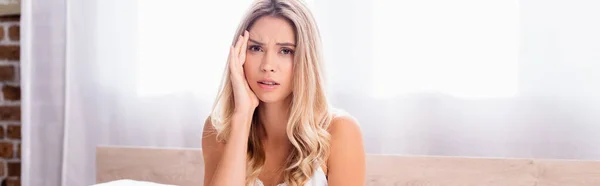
point(274, 117)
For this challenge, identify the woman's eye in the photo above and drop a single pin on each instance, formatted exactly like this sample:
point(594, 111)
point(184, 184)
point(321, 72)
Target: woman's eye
point(254, 48)
point(287, 51)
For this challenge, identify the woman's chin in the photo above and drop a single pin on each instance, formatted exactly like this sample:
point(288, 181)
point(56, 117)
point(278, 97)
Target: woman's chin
point(267, 99)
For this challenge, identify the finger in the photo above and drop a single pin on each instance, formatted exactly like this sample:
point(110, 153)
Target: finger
point(238, 44)
point(230, 57)
point(244, 47)
point(235, 52)
point(244, 44)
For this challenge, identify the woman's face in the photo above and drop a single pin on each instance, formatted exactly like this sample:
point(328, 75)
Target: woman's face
point(269, 58)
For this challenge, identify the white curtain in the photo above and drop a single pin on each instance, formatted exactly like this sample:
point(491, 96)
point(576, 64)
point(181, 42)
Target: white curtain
point(491, 78)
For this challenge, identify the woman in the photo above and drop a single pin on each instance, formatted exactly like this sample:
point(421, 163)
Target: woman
point(271, 123)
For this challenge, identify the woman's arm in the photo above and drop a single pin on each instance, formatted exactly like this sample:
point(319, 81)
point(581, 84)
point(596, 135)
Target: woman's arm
point(346, 163)
point(225, 164)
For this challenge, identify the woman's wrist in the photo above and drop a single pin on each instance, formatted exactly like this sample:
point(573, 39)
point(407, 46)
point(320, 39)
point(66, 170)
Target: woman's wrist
point(243, 113)
point(242, 120)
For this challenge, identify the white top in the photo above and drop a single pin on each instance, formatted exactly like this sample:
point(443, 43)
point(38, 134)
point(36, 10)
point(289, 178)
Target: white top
point(318, 179)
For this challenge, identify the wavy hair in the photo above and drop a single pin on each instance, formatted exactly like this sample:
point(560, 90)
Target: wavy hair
point(310, 113)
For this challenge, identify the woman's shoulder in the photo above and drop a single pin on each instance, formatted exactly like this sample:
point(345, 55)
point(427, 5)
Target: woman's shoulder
point(344, 128)
point(208, 129)
point(343, 122)
point(210, 143)
point(347, 155)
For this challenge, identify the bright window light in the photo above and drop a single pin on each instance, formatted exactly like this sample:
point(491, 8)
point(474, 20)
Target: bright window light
point(183, 45)
point(463, 48)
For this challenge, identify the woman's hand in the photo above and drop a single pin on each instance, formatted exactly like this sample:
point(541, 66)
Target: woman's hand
point(225, 163)
point(244, 98)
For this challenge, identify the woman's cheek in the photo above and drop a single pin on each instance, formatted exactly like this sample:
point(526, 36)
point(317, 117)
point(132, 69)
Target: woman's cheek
point(289, 72)
point(249, 71)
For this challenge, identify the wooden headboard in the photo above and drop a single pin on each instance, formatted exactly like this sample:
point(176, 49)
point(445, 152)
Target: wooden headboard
point(185, 167)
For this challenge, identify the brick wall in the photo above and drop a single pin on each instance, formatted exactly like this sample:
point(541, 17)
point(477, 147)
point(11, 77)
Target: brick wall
point(10, 101)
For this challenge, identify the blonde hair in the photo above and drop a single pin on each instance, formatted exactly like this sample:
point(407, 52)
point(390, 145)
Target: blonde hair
point(310, 114)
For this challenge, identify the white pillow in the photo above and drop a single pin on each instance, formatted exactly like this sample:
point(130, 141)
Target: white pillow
point(130, 183)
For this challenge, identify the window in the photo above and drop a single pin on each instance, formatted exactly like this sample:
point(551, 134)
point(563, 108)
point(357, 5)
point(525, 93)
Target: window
point(464, 48)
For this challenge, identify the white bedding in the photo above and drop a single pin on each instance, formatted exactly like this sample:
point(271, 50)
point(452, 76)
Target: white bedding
point(130, 183)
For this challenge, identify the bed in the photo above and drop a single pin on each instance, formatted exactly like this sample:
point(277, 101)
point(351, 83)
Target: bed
point(184, 166)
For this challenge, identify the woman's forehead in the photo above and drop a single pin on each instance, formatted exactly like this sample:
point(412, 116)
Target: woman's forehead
point(271, 30)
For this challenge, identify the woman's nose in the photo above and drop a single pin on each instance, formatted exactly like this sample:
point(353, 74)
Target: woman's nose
point(268, 63)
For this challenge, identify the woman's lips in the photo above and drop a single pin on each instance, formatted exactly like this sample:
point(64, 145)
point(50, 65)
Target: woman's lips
point(267, 84)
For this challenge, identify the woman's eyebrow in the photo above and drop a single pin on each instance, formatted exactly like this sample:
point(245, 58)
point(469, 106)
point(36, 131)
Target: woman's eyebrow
point(280, 44)
point(254, 41)
point(286, 44)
